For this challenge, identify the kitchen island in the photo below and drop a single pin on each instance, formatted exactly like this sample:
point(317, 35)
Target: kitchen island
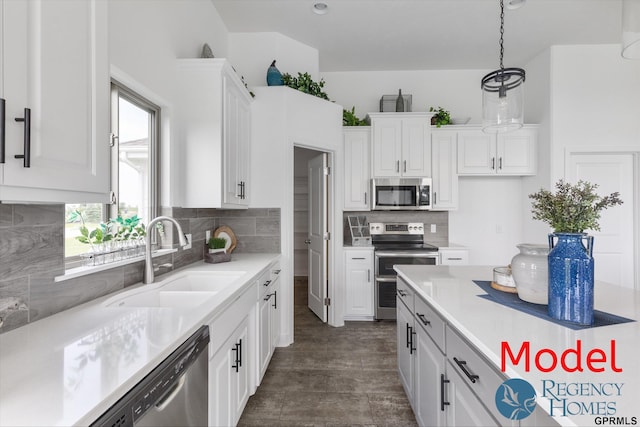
point(67, 369)
point(597, 382)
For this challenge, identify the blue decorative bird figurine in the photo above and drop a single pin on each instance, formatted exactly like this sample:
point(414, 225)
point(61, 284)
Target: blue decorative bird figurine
point(274, 76)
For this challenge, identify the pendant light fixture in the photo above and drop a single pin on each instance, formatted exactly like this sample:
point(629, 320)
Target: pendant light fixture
point(502, 94)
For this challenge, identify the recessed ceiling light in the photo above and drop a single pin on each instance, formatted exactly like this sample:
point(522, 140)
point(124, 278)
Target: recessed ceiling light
point(320, 8)
point(515, 4)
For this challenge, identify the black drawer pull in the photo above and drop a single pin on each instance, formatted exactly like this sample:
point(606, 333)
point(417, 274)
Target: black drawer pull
point(423, 319)
point(266, 283)
point(443, 403)
point(402, 293)
point(268, 297)
point(463, 365)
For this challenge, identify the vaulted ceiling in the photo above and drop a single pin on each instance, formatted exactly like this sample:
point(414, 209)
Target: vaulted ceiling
point(426, 34)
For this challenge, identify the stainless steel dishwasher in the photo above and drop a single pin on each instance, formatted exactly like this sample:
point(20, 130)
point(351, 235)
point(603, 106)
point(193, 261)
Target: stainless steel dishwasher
point(175, 393)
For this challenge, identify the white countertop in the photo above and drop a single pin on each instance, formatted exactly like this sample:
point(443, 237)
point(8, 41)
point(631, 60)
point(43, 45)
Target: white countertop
point(67, 369)
point(486, 324)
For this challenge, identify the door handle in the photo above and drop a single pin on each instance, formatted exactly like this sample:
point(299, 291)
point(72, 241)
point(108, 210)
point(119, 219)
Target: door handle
point(398, 166)
point(405, 165)
point(500, 163)
point(443, 403)
point(402, 293)
point(411, 347)
point(275, 300)
point(493, 163)
point(369, 275)
point(435, 198)
point(307, 242)
point(408, 334)
point(423, 319)
point(463, 365)
point(26, 156)
point(365, 197)
point(165, 402)
point(2, 130)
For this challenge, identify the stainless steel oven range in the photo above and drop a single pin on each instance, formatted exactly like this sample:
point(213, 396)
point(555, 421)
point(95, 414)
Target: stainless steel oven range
point(394, 244)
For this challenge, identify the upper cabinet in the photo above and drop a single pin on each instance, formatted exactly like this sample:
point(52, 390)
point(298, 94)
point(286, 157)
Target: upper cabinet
point(357, 167)
point(512, 153)
point(214, 130)
point(443, 167)
point(401, 144)
point(55, 87)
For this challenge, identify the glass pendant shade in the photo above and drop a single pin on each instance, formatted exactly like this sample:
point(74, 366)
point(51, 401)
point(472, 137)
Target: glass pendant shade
point(503, 100)
point(631, 29)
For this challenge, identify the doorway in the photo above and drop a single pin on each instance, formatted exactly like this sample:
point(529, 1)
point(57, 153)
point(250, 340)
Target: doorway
point(311, 249)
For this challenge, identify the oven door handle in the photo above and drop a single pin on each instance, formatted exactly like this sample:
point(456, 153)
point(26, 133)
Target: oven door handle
point(386, 279)
point(407, 254)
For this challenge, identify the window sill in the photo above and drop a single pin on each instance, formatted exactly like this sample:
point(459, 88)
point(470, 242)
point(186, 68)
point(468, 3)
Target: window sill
point(72, 273)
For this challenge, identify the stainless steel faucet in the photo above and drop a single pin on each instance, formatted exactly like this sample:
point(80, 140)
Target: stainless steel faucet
point(148, 263)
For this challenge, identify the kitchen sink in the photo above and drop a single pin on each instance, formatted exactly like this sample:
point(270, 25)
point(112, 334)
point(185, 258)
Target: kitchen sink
point(155, 298)
point(186, 290)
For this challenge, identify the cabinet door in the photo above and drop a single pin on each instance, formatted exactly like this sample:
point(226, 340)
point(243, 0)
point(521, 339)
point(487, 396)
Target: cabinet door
point(416, 148)
point(241, 377)
point(236, 139)
point(405, 356)
point(359, 283)
point(264, 335)
point(443, 165)
point(429, 369)
point(55, 64)
point(516, 152)
point(464, 408)
point(222, 386)
point(357, 161)
point(387, 147)
point(274, 315)
point(476, 153)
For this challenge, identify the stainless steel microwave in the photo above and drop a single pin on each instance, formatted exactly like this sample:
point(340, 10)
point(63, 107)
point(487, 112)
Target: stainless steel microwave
point(389, 194)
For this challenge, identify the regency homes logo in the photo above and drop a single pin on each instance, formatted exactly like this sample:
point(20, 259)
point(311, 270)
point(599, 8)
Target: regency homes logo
point(516, 398)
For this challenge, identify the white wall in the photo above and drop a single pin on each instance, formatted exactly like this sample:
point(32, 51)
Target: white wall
point(145, 38)
point(252, 53)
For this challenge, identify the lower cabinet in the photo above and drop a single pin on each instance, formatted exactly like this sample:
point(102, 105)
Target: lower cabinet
point(359, 284)
point(454, 255)
point(432, 379)
point(229, 379)
point(268, 309)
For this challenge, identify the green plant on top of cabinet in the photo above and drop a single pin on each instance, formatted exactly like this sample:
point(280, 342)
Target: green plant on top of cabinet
point(357, 167)
point(401, 144)
point(511, 153)
point(56, 145)
point(215, 131)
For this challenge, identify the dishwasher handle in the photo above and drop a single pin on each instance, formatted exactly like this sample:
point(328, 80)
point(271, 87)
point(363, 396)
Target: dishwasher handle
point(170, 396)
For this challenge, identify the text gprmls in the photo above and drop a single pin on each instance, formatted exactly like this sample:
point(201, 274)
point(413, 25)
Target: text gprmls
point(571, 359)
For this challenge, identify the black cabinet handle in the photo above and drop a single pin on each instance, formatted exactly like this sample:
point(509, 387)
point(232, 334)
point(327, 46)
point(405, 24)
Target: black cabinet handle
point(408, 334)
point(443, 402)
point(365, 197)
point(405, 165)
point(268, 297)
point(500, 163)
point(3, 114)
point(236, 366)
point(277, 271)
point(463, 365)
point(493, 163)
point(402, 293)
point(412, 342)
point(26, 157)
point(239, 353)
point(423, 319)
point(398, 166)
point(266, 283)
point(275, 299)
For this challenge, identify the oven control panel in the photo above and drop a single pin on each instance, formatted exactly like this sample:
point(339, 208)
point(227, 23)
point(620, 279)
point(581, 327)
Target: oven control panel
point(397, 228)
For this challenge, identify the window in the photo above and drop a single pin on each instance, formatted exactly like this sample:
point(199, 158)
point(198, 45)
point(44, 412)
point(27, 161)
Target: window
point(134, 171)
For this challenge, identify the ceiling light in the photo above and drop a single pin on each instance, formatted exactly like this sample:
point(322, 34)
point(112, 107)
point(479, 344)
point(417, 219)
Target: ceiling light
point(515, 4)
point(631, 29)
point(502, 94)
point(320, 8)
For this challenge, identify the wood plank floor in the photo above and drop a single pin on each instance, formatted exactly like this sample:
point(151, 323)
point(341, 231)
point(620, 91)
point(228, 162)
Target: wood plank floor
point(331, 376)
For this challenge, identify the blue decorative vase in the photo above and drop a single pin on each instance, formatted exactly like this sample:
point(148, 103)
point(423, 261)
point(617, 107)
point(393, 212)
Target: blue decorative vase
point(274, 76)
point(571, 278)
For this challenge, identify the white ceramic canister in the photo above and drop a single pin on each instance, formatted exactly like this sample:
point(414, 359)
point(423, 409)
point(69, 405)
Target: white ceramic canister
point(530, 272)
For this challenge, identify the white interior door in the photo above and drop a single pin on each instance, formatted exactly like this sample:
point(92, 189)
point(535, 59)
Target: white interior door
point(614, 244)
point(317, 231)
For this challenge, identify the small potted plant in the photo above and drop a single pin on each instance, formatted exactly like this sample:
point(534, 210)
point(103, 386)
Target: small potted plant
point(217, 245)
point(573, 209)
point(441, 116)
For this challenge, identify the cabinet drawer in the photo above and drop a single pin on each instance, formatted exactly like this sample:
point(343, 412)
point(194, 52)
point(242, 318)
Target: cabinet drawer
point(405, 294)
point(454, 257)
point(275, 272)
point(481, 378)
point(222, 326)
point(264, 282)
point(431, 322)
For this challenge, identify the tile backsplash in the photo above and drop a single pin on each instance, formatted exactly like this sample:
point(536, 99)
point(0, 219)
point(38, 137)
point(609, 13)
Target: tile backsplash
point(32, 255)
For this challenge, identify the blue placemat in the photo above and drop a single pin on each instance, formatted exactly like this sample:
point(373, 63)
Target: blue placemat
point(511, 300)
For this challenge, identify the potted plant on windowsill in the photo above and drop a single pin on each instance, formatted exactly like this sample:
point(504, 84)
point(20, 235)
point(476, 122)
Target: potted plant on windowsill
point(570, 211)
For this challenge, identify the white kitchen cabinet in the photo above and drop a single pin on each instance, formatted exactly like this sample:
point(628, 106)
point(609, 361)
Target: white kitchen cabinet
point(455, 255)
point(357, 168)
point(401, 144)
point(430, 355)
point(512, 153)
point(444, 170)
point(359, 283)
point(268, 317)
point(229, 378)
point(214, 121)
point(67, 100)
